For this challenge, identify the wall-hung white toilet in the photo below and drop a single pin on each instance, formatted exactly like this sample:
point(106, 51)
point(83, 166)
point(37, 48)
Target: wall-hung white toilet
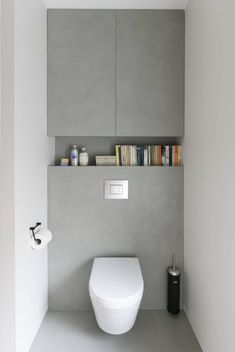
point(116, 288)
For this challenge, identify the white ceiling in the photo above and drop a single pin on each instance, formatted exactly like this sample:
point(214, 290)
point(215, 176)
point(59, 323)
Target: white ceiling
point(116, 4)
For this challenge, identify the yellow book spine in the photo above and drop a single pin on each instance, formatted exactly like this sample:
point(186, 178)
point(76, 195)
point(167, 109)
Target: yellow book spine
point(117, 155)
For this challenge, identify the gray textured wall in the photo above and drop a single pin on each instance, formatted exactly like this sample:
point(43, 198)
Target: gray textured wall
point(84, 225)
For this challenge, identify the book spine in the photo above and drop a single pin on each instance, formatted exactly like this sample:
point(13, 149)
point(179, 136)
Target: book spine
point(170, 155)
point(176, 155)
point(155, 155)
point(135, 155)
point(149, 155)
point(123, 155)
point(128, 156)
point(173, 155)
point(117, 155)
point(163, 155)
point(146, 155)
point(138, 155)
point(130, 147)
point(159, 155)
point(167, 155)
point(179, 155)
point(142, 155)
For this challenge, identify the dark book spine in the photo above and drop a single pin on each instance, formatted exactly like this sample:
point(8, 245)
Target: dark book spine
point(142, 155)
point(152, 155)
point(119, 154)
point(170, 156)
point(138, 156)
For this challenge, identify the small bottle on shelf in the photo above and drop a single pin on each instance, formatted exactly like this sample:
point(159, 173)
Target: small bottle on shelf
point(74, 156)
point(83, 157)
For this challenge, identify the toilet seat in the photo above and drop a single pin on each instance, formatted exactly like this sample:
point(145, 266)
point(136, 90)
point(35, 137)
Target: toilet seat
point(116, 282)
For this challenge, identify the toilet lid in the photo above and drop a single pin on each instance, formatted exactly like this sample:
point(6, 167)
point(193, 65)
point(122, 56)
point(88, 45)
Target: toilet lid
point(116, 279)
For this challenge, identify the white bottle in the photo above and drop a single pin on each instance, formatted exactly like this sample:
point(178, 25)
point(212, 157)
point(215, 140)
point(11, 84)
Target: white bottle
point(83, 157)
point(74, 156)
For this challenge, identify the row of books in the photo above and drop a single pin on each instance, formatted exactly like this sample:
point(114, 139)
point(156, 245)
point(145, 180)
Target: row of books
point(148, 155)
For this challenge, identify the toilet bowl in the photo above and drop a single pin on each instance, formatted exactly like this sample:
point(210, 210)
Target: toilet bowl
point(116, 288)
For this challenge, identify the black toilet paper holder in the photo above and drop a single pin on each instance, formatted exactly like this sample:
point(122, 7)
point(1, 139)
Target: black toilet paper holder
point(33, 228)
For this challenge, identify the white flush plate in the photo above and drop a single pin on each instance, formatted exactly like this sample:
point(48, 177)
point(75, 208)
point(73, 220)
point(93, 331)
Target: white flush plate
point(116, 189)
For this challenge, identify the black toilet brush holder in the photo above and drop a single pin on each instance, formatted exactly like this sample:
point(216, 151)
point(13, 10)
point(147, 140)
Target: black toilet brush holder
point(173, 288)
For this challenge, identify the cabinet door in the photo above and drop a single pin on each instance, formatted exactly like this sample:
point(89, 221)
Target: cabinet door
point(150, 73)
point(81, 72)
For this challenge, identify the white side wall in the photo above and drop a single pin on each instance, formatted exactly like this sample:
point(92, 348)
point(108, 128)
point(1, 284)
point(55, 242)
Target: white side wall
point(31, 160)
point(7, 214)
point(210, 173)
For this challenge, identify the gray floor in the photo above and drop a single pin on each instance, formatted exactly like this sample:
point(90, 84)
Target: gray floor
point(154, 331)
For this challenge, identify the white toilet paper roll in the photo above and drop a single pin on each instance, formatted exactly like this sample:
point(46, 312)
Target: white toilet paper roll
point(44, 236)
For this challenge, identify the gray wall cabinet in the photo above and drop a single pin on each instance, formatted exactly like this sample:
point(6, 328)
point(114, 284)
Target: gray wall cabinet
point(81, 72)
point(85, 225)
point(115, 72)
point(150, 73)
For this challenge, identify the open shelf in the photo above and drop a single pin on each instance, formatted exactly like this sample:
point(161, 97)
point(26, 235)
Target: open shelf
point(105, 145)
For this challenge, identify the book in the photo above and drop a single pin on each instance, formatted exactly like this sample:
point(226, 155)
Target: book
point(140, 155)
point(123, 155)
point(128, 156)
point(149, 155)
point(109, 160)
point(145, 155)
point(159, 155)
point(170, 155)
point(134, 155)
point(176, 155)
point(179, 155)
point(173, 155)
point(155, 154)
point(163, 155)
point(118, 161)
point(167, 155)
